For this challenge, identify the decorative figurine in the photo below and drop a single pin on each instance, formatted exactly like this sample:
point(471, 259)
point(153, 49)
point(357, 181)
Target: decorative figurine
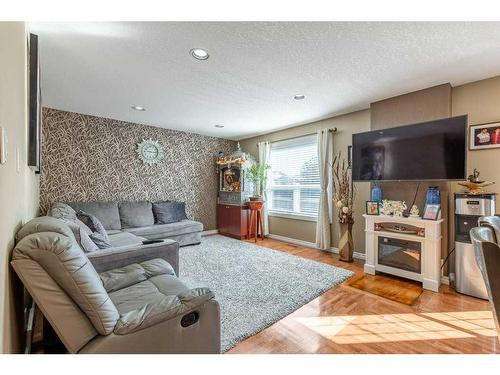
point(414, 211)
point(474, 177)
point(473, 185)
point(399, 208)
point(386, 207)
point(391, 208)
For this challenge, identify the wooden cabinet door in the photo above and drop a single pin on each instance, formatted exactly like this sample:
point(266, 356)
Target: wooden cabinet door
point(229, 220)
point(221, 218)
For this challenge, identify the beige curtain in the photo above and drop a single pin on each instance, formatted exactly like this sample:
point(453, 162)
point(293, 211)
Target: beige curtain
point(264, 158)
point(324, 161)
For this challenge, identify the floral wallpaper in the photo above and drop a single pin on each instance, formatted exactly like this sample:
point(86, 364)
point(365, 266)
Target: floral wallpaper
point(88, 158)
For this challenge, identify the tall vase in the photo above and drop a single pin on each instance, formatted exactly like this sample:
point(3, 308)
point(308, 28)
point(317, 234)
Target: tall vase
point(346, 243)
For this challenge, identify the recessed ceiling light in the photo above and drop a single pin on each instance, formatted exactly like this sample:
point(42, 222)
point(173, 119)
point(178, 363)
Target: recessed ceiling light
point(138, 108)
point(219, 126)
point(299, 97)
point(199, 54)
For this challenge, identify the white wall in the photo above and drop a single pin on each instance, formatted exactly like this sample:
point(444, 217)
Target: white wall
point(18, 188)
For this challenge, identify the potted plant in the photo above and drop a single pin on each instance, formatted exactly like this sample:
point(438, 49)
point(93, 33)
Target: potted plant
point(257, 174)
point(343, 196)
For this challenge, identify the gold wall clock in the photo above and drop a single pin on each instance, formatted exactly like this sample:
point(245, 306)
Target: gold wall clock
point(149, 151)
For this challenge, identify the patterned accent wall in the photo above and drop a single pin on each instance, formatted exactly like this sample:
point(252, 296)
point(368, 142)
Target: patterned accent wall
point(88, 158)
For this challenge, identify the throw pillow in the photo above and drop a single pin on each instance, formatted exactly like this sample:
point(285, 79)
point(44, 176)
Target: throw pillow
point(82, 237)
point(81, 232)
point(99, 235)
point(169, 212)
point(87, 243)
point(100, 241)
point(64, 212)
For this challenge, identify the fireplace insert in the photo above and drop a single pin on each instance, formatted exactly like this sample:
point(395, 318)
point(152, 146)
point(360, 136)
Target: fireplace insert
point(402, 254)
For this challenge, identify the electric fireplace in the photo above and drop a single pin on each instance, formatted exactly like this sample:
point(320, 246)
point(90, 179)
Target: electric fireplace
point(398, 253)
point(404, 247)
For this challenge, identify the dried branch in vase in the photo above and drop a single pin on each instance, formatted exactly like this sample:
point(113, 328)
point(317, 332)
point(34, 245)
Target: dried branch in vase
point(344, 192)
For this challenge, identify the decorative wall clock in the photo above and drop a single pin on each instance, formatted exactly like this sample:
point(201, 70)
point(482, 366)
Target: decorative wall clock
point(149, 151)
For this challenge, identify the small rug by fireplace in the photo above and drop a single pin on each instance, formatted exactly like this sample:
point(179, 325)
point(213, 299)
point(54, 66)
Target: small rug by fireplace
point(255, 286)
point(390, 287)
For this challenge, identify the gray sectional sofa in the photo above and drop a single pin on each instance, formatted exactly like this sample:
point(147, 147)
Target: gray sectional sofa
point(134, 305)
point(104, 290)
point(132, 222)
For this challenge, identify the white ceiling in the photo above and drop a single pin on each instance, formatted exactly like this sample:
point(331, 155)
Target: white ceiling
point(254, 69)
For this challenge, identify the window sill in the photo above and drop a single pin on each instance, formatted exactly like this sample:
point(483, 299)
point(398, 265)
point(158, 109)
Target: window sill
point(288, 215)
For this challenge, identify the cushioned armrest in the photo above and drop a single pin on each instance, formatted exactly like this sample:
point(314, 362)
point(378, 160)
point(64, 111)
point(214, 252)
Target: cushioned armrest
point(117, 257)
point(166, 309)
point(123, 277)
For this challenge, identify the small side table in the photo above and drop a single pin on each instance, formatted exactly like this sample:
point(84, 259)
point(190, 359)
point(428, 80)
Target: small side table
point(255, 221)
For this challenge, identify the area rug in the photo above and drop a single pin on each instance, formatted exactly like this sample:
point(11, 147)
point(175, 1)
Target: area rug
point(255, 286)
point(390, 287)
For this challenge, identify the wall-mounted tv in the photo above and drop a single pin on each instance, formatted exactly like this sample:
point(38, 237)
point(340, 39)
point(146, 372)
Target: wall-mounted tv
point(434, 150)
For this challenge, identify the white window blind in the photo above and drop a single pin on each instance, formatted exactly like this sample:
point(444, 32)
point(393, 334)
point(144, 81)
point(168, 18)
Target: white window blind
point(294, 184)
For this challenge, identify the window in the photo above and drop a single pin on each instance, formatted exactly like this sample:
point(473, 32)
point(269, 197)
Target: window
point(294, 179)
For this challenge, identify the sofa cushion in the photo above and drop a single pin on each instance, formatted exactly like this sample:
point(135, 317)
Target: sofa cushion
point(144, 293)
point(157, 231)
point(64, 212)
point(106, 212)
point(113, 231)
point(124, 239)
point(154, 300)
point(131, 274)
point(81, 232)
point(136, 214)
point(169, 212)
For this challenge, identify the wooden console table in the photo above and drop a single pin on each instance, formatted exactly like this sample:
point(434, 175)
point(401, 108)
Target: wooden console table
point(428, 235)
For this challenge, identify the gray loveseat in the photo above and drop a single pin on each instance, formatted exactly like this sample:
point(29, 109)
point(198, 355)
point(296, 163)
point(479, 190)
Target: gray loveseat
point(140, 307)
point(131, 222)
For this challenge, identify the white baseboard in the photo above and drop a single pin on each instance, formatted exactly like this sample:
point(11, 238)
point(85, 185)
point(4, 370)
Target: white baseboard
point(209, 232)
point(295, 241)
point(292, 240)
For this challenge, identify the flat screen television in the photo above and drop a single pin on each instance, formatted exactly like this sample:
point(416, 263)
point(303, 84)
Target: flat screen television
point(434, 150)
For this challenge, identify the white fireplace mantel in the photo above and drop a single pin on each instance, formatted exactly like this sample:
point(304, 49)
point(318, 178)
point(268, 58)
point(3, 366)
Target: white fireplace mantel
point(430, 275)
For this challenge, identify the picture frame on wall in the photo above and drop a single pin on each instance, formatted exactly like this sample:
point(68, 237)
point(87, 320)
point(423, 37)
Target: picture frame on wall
point(431, 212)
point(484, 136)
point(34, 106)
point(372, 208)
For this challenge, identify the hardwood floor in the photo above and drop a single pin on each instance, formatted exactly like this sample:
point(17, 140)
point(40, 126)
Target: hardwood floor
point(349, 320)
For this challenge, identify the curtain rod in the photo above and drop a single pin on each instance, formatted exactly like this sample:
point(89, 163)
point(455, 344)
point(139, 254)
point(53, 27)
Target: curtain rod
point(332, 130)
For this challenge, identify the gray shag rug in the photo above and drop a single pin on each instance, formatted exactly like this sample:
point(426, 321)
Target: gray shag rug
point(255, 286)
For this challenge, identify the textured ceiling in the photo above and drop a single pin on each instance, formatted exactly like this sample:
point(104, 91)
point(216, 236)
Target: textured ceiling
point(254, 69)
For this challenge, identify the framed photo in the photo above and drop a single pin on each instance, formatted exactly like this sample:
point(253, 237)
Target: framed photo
point(431, 212)
point(483, 136)
point(34, 106)
point(372, 208)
